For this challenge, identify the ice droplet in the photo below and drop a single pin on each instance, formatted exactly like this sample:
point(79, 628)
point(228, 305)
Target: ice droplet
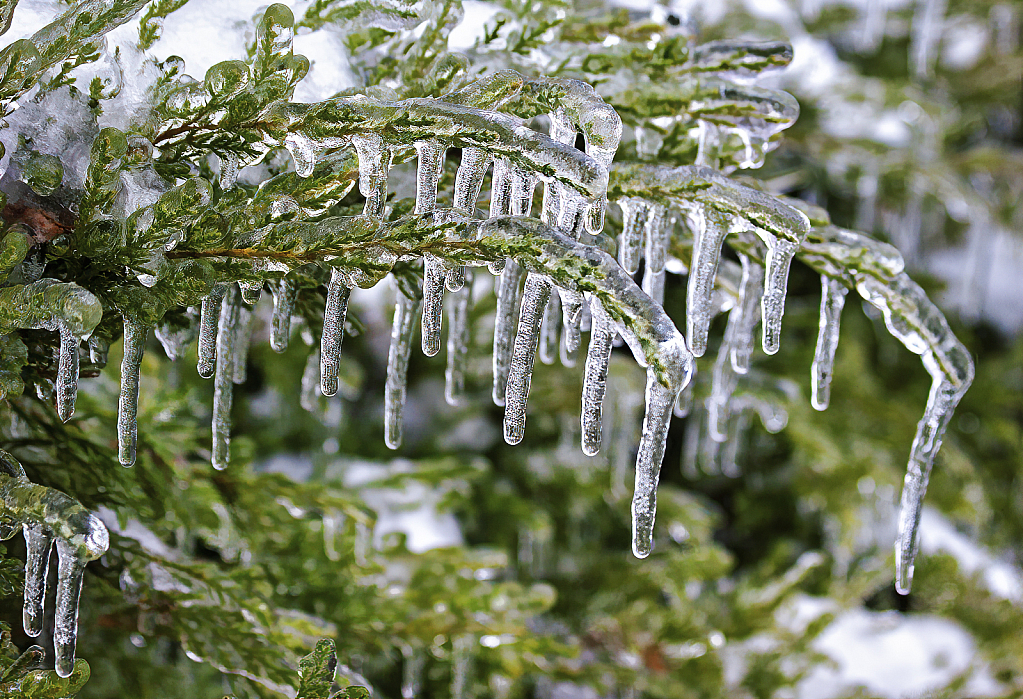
point(128, 405)
point(67, 372)
point(833, 293)
point(208, 323)
point(334, 315)
point(402, 329)
point(223, 381)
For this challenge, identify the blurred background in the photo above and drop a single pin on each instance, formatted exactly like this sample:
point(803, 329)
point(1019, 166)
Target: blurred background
point(459, 566)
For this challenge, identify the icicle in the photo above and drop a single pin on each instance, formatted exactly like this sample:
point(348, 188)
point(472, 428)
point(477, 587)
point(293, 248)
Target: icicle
point(737, 429)
point(684, 402)
point(723, 382)
point(223, 382)
point(872, 31)
point(433, 295)
point(595, 378)
point(135, 335)
point(509, 293)
point(833, 293)
point(431, 163)
point(461, 662)
point(208, 324)
point(928, 26)
point(630, 245)
point(659, 402)
point(251, 292)
point(70, 570)
point(229, 163)
point(469, 179)
point(920, 326)
point(374, 163)
point(779, 259)
point(458, 343)
point(500, 188)
point(67, 372)
point(549, 330)
point(244, 341)
point(412, 672)
point(403, 327)
point(333, 524)
point(310, 393)
point(333, 331)
point(534, 298)
point(37, 566)
point(706, 253)
point(745, 314)
point(284, 294)
point(658, 229)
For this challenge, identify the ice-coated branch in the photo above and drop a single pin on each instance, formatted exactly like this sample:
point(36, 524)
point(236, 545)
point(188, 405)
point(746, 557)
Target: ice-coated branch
point(49, 516)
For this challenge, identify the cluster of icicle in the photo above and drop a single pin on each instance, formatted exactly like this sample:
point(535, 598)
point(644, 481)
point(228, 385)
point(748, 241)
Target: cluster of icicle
point(767, 232)
point(49, 517)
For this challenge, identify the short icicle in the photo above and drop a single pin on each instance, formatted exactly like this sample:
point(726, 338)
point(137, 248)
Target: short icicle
point(598, 357)
point(509, 294)
point(833, 293)
point(458, 342)
point(745, 314)
point(67, 373)
point(284, 294)
point(135, 335)
point(396, 386)
point(223, 382)
point(550, 329)
point(534, 298)
point(246, 316)
point(334, 315)
point(209, 321)
point(431, 163)
point(630, 245)
point(70, 571)
point(374, 163)
point(779, 259)
point(37, 566)
point(658, 229)
point(713, 228)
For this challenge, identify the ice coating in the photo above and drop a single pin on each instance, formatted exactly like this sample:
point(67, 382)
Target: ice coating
point(458, 342)
point(209, 322)
point(48, 515)
point(598, 356)
point(223, 380)
point(535, 295)
point(722, 206)
point(284, 293)
point(128, 404)
point(67, 372)
point(334, 314)
point(402, 329)
point(833, 293)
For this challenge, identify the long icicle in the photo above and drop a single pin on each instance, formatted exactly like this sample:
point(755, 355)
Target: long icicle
point(550, 329)
point(334, 315)
point(246, 316)
point(284, 294)
point(67, 373)
point(135, 335)
point(534, 298)
point(659, 403)
point(396, 386)
point(223, 382)
point(598, 357)
point(458, 342)
point(209, 321)
point(431, 163)
point(833, 293)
